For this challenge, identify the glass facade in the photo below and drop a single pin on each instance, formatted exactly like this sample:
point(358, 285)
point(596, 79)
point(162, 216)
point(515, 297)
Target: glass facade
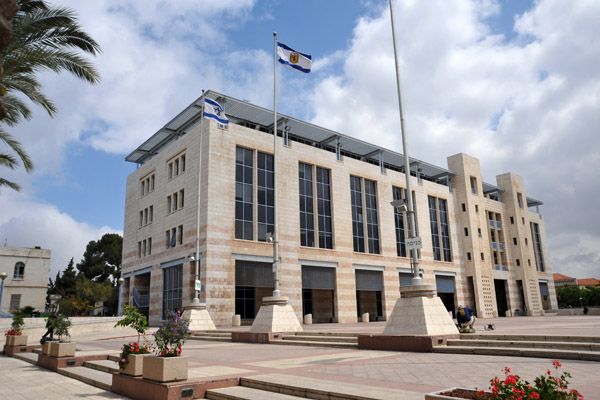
point(172, 283)
point(400, 227)
point(324, 209)
point(244, 196)
point(537, 245)
point(307, 216)
point(372, 216)
point(358, 229)
point(265, 195)
point(440, 231)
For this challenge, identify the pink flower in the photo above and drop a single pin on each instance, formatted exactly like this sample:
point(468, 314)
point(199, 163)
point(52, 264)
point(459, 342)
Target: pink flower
point(123, 360)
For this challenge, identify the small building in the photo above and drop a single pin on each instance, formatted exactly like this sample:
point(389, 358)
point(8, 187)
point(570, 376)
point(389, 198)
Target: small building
point(342, 246)
point(563, 280)
point(588, 282)
point(27, 272)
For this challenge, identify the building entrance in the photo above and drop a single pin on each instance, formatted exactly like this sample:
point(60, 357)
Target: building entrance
point(500, 287)
point(445, 291)
point(369, 285)
point(318, 293)
point(253, 281)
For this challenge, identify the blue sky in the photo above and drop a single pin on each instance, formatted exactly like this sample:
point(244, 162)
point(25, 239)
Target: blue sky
point(512, 83)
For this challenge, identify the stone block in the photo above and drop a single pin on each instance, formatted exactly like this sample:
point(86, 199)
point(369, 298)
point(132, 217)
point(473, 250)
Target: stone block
point(18, 340)
point(58, 349)
point(134, 366)
point(165, 369)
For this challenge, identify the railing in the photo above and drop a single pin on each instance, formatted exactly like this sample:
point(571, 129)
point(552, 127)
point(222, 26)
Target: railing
point(139, 299)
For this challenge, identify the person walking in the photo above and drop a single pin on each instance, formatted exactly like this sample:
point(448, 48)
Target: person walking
point(50, 327)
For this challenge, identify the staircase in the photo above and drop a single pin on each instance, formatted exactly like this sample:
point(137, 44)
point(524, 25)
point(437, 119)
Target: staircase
point(320, 339)
point(214, 336)
point(585, 348)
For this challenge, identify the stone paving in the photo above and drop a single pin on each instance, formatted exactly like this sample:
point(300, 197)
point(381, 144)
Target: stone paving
point(368, 371)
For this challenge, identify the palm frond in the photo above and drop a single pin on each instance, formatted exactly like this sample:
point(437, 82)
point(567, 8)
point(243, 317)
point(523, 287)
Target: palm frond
point(12, 185)
point(17, 148)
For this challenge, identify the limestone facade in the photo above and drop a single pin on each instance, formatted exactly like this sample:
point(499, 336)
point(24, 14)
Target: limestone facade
point(495, 270)
point(27, 277)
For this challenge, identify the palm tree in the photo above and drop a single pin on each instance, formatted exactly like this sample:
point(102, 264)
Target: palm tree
point(44, 38)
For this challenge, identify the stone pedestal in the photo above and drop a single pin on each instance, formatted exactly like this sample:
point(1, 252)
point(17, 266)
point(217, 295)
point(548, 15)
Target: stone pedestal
point(165, 369)
point(199, 317)
point(236, 320)
point(420, 312)
point(134, 366)
point(276, 315)
point(58, 349)
point(16, 340)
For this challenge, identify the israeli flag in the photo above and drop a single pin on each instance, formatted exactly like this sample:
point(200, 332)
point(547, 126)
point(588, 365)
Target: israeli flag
point(213, 110)
point(294, 59)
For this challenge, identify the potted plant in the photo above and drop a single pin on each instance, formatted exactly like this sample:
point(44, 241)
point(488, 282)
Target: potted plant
point(132, 354)
point(14, 336)
point(168, 365)
point(545, 387)
point(62, 348)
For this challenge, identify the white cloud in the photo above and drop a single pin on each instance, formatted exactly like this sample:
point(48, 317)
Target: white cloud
point(528, 106)
point(31, 223)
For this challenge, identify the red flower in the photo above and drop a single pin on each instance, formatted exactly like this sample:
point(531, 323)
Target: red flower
point(162, 354)
point(549, 372)
point(507, 370)
point(534, 395)
point(137, 350)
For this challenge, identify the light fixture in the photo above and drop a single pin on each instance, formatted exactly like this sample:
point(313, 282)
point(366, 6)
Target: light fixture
point(192, 257)
point(120, 281)
point(3, 275)
point(399, 205)
point(269, 237)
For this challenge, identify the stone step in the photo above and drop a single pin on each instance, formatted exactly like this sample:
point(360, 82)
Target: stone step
point(103, 365)
point(322, 338)
point(246, 393)
point(532, 338)
point(212, 334)
point(31, 358)
point(312, 388)
point(339, 334)
point(525, 344)
point(102, 380)
point(212, 338)
point(311, 343)
point(520, 352)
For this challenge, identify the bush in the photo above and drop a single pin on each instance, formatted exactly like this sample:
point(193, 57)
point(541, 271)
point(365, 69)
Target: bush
point(171, 336)
point(134, 319)
point(61, 328)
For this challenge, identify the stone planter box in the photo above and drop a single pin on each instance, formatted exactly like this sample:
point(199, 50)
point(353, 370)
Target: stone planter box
point(135, 365)
point(58, 349)
point(165, 369)
point(17, 340)
point(439, 396)
point(46, 347)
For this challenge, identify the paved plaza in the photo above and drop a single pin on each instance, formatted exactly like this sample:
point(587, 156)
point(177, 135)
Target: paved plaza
point(367, 372)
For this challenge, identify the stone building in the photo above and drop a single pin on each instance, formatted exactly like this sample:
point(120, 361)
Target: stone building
point(341, 243)
point(27, 277)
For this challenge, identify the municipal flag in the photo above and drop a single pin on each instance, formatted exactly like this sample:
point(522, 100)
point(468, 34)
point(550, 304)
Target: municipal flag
point(213, 110)
point(294, 59)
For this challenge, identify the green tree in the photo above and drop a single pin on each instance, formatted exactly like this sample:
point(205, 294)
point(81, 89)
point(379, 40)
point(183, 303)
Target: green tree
point(44, 38)
point(102, 258)
point(134, 319)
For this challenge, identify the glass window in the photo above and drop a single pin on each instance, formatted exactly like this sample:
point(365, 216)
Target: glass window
point(440, 230)
point(19, 270)
point(172, 289)
point(15, 302)
point(324, 209)
point(372, 216)
point(307, 216)
point(358, 230)
point(435, 236)
point(244, 201)
point(265, 188)
point(400, 227)
point(445, 229)
point(537, 246)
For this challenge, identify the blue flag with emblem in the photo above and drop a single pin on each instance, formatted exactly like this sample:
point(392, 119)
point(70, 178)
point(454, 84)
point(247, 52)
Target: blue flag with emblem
point(213, 110)
point(293, 59)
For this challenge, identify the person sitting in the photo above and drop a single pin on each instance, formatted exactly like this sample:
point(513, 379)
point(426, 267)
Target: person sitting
point(465, 317)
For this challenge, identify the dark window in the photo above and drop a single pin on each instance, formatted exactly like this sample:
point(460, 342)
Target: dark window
point(476, 208)
point(172, 285)
point(265, 195)
point(440, 231)
point(372, 216)
point(515, 241)
point(464, 207)
point(482, 257)
point(537, 247)
point(358, 230)
point(468, 256)
point(512, 220)
point(244, 194)
point(445, 229)
point(324, 209)
point(518, 262)
point(466, 231)
point(19, 272)
point(435, 235)
point(307, 216)
point(400, 226)
point(244, 302)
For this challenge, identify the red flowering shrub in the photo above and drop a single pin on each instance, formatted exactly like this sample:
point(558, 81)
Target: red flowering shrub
point(12, 332)
point(132, 348)
point(546, 387)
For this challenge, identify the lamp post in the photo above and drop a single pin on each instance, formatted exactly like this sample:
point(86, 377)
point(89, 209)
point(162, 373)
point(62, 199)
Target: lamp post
point(3, 276)
point(581, 301)
point(416, 280)
point(120, 282)
point(272, 239)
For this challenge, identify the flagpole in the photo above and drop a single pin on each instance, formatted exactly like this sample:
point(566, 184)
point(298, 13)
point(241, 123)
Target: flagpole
point(197, 263)
point(276, 292)
point(416, 280)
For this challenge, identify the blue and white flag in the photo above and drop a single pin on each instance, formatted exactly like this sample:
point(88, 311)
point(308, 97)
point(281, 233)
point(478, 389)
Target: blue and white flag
point(294, 59)
point(213, 110)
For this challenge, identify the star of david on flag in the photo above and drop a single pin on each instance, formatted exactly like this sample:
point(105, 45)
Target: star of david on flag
point(213, 110)
point(294, 59)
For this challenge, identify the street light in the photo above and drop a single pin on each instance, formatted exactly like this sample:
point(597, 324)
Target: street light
point(270, 238)
point(120, 282)
point(581, 301)
point(53, 299)
point(3, 276)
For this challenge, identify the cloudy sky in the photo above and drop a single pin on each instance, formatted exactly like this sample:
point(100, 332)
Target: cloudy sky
point(514, 83)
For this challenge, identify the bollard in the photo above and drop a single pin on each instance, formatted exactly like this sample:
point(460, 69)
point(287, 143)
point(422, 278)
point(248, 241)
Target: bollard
point(308, 319)
point(365, 317)
point(236, 320)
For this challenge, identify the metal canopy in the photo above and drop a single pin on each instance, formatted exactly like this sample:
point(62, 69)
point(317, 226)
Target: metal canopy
point(241, 112)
